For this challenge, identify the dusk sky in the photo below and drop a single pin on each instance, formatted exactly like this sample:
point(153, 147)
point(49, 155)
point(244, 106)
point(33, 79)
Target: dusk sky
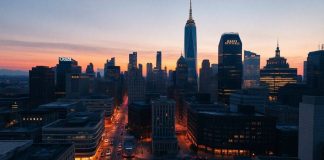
point(37, 32)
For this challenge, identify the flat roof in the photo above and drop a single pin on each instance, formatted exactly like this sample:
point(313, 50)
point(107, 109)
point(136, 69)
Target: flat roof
point(229, 113)
point(77, 120)
point(58, 104)
point(7, 146)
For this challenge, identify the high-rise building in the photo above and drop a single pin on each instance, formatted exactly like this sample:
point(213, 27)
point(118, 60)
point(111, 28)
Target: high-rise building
point(149, 69)
point(190, 46)
point(277, 74)
point(182, 74)
point(132, 61)
point(109, 64)
point(164, 141)
point(159, 60)
point(251, 69)
point(77, 85)
point(311, 128)
point(315, 72)
point(205, 78)
point(41, 85)
point(135, 80)
point(229, 66)
point(305, 72)
point(66, 66)
point(90, 71)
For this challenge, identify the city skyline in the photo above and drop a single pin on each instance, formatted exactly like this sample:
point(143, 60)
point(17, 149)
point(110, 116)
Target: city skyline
point(91, 31)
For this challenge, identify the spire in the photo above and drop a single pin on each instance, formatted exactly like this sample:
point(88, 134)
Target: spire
point(277, 50)
point(190, 12)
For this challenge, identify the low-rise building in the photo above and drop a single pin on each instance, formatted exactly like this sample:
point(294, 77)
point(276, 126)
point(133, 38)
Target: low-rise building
point(84, 129)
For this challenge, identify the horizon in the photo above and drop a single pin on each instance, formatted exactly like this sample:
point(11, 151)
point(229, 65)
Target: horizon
point(95, 31)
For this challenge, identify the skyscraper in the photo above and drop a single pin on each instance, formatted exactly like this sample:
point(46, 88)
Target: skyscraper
point(66, 66)
point(149, 69)
point(164, 141)
point(90, 71)
point(159, 60)
point(277, 74)
point(132, 60)
point(109, 64)
point(315, 72)
point(41, 85)
point(251, 69)
point(229, 65)
point(190, 46)
point(182, 74)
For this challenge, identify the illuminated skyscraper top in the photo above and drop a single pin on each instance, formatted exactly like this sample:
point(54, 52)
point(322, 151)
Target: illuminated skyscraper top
point(190, 46)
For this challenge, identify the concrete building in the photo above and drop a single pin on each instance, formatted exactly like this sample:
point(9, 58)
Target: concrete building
point(251, 69)
point(63, 108)
point(26, 150)
point(164, 141)
point(311, 128)
point(257, 97)
point(84, 129)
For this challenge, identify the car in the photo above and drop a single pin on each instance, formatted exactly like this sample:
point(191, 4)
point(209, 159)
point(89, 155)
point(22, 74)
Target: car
point(108, 153)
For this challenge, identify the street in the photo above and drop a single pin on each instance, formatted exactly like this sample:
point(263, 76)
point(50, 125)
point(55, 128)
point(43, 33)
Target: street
point(111, 147)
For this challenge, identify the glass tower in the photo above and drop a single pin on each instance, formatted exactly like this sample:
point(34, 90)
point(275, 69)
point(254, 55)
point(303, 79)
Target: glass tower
point(190, 46)
point(229, 66)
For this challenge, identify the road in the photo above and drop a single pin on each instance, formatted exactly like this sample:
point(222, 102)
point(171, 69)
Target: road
point(114, 132)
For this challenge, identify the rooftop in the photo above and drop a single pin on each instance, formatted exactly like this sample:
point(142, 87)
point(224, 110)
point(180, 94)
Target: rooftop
point(230, 114)
point(8, 146)
point(58, 104)
point(78, 120)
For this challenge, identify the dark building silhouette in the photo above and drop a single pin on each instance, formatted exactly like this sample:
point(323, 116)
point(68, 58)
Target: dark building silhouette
point(277, 74)
point(315, 72)
point(190, 49)
point(41, 85)
point(229, 66)
point(251, 69)
point(66, 66)
point(90, 71)
point(140, 119)
point(205, 78)
point(158, 60)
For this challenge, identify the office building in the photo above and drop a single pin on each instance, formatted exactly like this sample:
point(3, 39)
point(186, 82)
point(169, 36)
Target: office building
point(78, 85)
point(33, 133)
point(109, 64)
point(229, 66)
point(26, 150)
point(205, 77)
point(66, 66)
point(311, 128)
point(132, 61)
point(182, 74)
point(90, 71)
point(285, 115)
point(63, 108)
point(41, 85)
point(315, 72)
point(83, 129)
point(37, 117)
point(135, 85)
point(292, 94)
point(140, 119)
point(277, 74)
point(164, 141)
point(149, 69)
point(228, 134)
point(99, 103)
point(190, 49)
point(159, 60)
point(251, 69)
point(256, 97)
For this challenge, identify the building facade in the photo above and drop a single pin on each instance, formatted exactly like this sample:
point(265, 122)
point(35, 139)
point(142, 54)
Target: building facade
point(251, 69)
point(315, 72)
point(41, 85)
point(190, 49)
point(311, 128)
point(164, 141)
point(277, 74)
point(83, 129)
point(229, 66)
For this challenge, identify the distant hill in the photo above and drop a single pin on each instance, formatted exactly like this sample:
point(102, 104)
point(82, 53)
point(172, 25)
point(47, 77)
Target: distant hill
point(8, 72)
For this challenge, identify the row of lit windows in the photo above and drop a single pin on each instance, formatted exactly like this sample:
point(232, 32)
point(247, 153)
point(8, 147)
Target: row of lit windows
point(32, 119)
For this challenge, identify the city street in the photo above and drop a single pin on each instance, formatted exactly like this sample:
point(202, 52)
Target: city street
point(111, 148)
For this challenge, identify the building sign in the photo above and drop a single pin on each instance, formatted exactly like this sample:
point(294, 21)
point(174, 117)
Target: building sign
point(232, 42)
point(65, 59)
